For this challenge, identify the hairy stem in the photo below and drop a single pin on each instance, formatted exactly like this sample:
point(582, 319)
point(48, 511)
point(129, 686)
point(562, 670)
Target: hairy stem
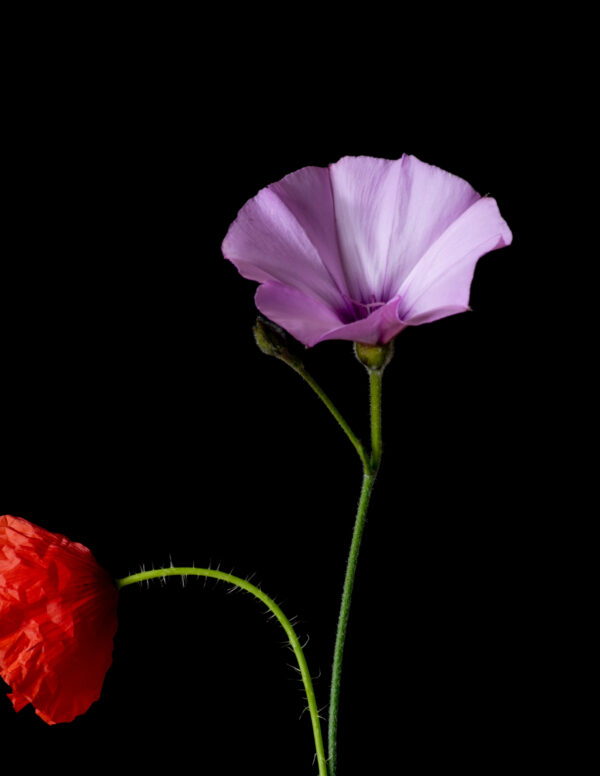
point(283, 620)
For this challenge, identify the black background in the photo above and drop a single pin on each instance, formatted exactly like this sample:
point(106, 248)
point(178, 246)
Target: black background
point(139, 418)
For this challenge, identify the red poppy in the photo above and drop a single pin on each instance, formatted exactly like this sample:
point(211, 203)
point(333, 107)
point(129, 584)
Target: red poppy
point(58, 617)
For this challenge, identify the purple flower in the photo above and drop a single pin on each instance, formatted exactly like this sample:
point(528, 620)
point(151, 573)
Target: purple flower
point(363, 248)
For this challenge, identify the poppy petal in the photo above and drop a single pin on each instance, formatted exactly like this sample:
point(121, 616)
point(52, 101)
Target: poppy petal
point(58, 617)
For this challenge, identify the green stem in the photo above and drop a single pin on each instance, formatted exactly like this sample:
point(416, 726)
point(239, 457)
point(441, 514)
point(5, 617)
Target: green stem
point(335, 412)
point(283, 620)
point(369, 475)
point(375, 379)
point(334, 701)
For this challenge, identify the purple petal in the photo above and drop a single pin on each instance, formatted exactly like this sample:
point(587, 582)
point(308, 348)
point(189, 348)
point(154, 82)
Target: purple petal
point(302, 315)
point(398, 238)
point(379, 327)
point(442, 278)
point(388, 213)
point(310, 321)
point(436, 314)
point(286, 234)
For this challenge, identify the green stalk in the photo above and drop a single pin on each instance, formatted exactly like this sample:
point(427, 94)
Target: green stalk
point(334, 701)
point(309, 379)
point(283, 620)
point(375, 380)
point(369, 476)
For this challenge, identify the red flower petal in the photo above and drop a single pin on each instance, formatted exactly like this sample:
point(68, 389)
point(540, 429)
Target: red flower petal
point(58, 617)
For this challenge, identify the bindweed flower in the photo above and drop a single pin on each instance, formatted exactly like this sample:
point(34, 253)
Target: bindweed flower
point(58, 617)
point(363, 248)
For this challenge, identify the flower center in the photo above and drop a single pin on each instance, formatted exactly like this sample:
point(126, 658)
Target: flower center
point(364, 309)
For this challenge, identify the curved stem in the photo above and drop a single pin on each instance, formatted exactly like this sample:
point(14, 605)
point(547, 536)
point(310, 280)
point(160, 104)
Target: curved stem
point(283, 620)
point(335, 412)
point(369, 475)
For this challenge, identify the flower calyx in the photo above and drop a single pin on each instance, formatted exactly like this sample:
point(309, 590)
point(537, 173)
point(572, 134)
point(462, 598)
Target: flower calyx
point(374, 357)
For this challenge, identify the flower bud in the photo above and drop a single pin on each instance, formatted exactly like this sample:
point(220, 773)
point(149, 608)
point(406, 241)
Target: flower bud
point(273, 341)
point(374, 357)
